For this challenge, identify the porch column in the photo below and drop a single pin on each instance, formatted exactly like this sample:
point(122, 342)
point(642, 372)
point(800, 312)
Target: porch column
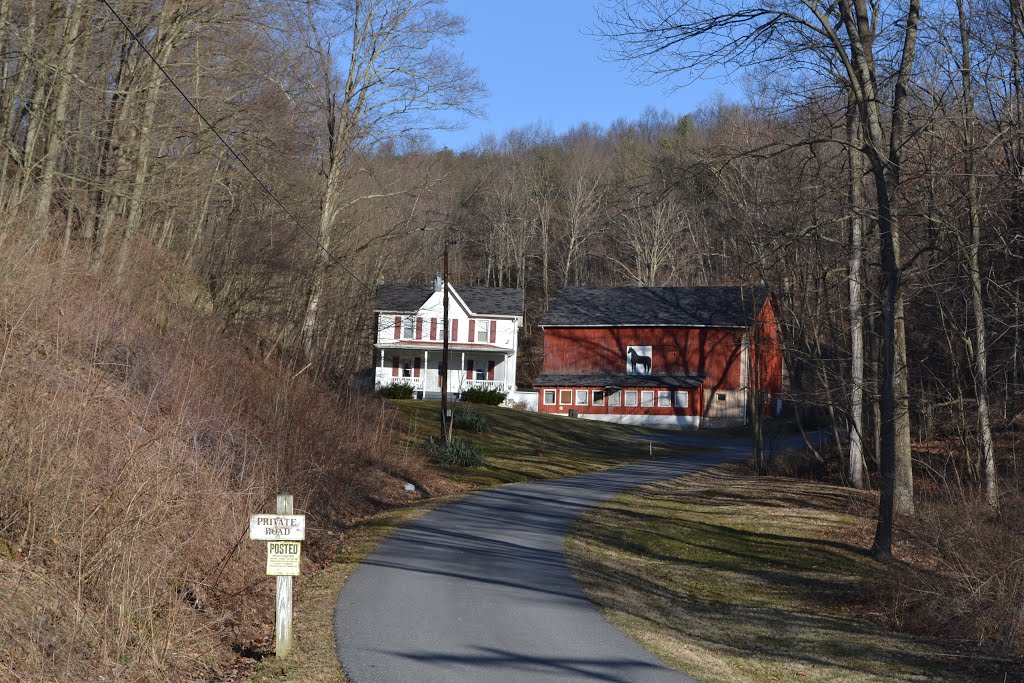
point(377, 380)
point(462, 369)
point(504, 371)
point(426, 369)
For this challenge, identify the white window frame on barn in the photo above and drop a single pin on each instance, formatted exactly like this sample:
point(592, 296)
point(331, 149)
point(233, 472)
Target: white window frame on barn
point(553, 394)
point(664, 398)
point(582, 396)
point(631, 398)
point(682, 398)
point(647, 398)
point(615, 399)
point(598, 398)
point(565, 397)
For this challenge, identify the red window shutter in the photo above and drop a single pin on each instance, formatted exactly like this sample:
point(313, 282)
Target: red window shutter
point(494, 332)
point(419, 328)
point(490, 368)
point(398, 327)
point(472, 331)
point(455, 329)
point(433, 329)
point(394, 366)
point(415, 367)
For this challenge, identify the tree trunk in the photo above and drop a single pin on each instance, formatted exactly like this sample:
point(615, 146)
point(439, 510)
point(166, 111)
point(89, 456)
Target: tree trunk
point(988, 467)
point(855, 464)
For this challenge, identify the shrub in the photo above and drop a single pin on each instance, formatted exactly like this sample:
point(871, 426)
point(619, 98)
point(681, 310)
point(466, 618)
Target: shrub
point(470, 421)
point(486, 397)
point(458, 453)
point(399, 391)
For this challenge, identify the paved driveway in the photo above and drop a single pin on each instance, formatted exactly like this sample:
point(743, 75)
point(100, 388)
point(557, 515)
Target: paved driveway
point(479, 591)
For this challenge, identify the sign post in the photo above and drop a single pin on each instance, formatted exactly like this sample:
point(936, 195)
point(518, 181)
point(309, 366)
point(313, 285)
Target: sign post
point(283, 533)
point(283, 630)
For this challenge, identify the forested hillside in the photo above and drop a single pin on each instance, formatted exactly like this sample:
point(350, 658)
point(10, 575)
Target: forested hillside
point(874, 179)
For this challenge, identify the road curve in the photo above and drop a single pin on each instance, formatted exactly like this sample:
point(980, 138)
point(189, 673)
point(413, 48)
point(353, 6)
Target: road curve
point(479, 590)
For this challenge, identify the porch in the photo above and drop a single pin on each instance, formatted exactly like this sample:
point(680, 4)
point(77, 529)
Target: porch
point(422, 370)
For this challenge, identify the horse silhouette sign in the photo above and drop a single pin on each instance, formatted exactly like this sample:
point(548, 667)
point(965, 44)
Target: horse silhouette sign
point(638, 360)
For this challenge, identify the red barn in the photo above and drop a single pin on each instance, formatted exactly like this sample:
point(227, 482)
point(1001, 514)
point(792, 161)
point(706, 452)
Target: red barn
point(661, 355)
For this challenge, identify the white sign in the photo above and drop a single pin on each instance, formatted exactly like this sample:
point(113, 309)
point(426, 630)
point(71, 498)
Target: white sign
point(283, 558)
point(638, 360)
point(277, 528)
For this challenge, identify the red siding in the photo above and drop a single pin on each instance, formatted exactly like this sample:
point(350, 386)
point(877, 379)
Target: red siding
point(715, 353)
point(766, 351)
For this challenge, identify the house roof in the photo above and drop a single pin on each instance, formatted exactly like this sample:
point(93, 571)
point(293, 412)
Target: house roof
point(619, 380)
point(725, 306)
point(481, 300)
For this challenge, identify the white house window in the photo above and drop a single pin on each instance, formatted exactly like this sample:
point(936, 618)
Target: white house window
point(408, 327)
point(630, 398)
point(480, 370)
point(615, 398)
point(406, 369)
point(565, 397)
point(647, 399)
point(664, 398)
point(581, 397)
point(598, 397)
point(682, 399)
point(549, 397)
point(483, 330)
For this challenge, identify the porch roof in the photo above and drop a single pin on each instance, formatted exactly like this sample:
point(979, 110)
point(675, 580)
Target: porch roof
point(619, 380)
point(407, 345)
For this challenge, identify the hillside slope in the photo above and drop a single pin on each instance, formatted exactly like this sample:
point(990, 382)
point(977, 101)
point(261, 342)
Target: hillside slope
point(135, 439)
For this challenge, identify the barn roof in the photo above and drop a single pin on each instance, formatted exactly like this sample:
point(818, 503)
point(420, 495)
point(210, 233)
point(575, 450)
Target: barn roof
point(619, 380)
point(481, 300)
point(722, 306)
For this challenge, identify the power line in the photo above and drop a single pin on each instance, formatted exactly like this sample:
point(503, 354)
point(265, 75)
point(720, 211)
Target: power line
point(238, 158)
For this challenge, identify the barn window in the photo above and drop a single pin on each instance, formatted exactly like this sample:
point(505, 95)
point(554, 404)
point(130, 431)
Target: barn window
point(682, 399)
point(549, 397)
point(631, 398)
point(647, 399)
point(565, 397)
point(581, 397)
point(615, 398)
point(598, 397)
point(664, 398)
point(720, 397)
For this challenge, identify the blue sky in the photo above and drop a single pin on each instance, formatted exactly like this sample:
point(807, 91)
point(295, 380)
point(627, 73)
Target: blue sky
point(541, 67)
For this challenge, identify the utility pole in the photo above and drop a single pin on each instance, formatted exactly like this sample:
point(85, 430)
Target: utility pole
point(444, 353)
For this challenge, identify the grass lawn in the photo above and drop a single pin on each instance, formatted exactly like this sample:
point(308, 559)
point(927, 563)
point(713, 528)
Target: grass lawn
point(519, 446)
point(733, 578)
point(522, 446)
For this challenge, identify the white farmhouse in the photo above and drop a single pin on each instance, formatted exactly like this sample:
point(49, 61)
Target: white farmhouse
point(483, 326)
